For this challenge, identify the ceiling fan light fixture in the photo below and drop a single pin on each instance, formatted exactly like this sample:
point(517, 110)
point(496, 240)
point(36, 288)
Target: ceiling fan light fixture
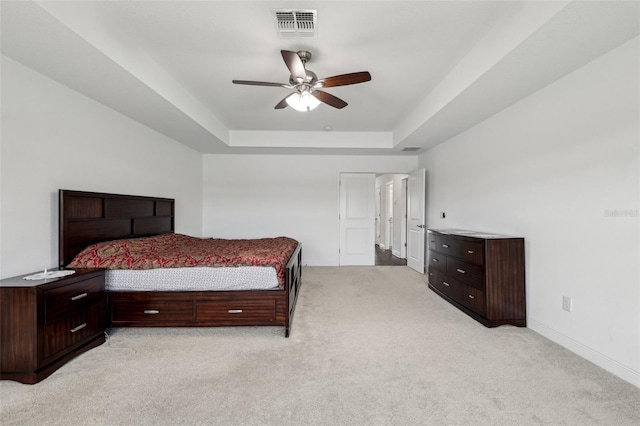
point(307, 95)
point(302, 101)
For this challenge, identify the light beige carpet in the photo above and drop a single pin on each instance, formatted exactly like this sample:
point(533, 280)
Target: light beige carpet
point(369, 345)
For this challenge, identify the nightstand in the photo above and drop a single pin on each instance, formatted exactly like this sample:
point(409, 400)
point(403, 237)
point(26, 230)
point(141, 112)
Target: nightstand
point(45, 323)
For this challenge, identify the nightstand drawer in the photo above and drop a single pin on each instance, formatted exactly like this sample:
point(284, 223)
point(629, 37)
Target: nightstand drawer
point(75, 297)
point(73, 329)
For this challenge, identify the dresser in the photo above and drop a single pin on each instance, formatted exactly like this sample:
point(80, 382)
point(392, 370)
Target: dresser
point(481, 274)
point(45, 323)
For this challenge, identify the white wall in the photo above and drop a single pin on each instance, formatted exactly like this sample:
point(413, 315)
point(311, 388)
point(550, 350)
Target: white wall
point(560, 168)
point(250, 196)
point(55, 138)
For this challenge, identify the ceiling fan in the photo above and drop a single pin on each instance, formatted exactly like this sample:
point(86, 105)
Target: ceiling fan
point(306, 85)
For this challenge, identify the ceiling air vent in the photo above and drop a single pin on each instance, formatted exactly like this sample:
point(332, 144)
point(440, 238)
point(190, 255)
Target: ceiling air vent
point(411, 148)
point(296, 23)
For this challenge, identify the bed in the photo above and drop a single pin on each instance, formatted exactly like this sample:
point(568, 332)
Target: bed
point(88, 218)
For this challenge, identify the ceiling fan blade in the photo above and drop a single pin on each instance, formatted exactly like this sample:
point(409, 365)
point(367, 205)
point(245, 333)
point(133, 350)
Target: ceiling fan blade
point(294, 63)
point(345, 79)
point(283, 103)
point(329, 99)
point(258, 83)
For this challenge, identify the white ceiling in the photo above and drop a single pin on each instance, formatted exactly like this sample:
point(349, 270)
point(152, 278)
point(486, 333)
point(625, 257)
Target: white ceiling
point(438, 67)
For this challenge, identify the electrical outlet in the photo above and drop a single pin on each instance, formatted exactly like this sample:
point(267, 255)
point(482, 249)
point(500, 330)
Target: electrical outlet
point(566, 303)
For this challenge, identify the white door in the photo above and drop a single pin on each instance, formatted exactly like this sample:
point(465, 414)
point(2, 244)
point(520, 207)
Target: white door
point(403, 219)
point(378, 214)
point(357, 218)
point(416, 220)
point(388, 235)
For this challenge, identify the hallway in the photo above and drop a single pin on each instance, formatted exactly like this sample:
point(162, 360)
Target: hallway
point(384, 257)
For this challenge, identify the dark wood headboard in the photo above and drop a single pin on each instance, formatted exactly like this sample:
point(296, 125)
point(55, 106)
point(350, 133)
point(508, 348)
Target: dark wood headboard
point(90, 217)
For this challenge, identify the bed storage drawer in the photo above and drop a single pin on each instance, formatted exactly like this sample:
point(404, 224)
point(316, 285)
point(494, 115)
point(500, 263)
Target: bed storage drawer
point(236, 312)
point(197, 309)
point(150, 310)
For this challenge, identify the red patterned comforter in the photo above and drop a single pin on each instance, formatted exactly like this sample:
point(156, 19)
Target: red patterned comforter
point(178, 251)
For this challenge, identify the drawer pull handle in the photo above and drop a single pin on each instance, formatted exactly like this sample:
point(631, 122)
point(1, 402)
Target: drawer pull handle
point(435, 260)
point(151, 311)
point(78, 297)
point(471, 296)
point(462, 271)
point(445, 245)
point(470, 251)
point(78, 328)
point(446, 283)
point(235, 311)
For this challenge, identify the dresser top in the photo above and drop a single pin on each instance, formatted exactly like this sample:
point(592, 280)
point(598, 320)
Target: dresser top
point(473, 234)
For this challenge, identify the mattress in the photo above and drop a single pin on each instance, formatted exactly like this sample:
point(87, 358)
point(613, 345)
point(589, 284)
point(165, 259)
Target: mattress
point(192, 279)
point(179, 251)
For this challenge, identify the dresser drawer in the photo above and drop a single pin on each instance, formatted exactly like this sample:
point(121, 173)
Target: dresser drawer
point(237, 312)
point(473, 252)
point(473, 299)
point(151, 311)
point(432, 240)
point(72, 329)
point(466, 272)
point(446, 285)
point(62, 301)
point(448, 245)
point(437, 261)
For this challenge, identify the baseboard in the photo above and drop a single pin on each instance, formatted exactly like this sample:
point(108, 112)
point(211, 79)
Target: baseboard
point(395, 252)
point(320, 262)
point(586, 352)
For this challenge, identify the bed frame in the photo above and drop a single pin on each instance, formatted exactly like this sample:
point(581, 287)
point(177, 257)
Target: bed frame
point(89, 217)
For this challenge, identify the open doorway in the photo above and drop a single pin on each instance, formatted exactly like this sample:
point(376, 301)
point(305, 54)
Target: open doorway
point(362, 217)
point(391, 224)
